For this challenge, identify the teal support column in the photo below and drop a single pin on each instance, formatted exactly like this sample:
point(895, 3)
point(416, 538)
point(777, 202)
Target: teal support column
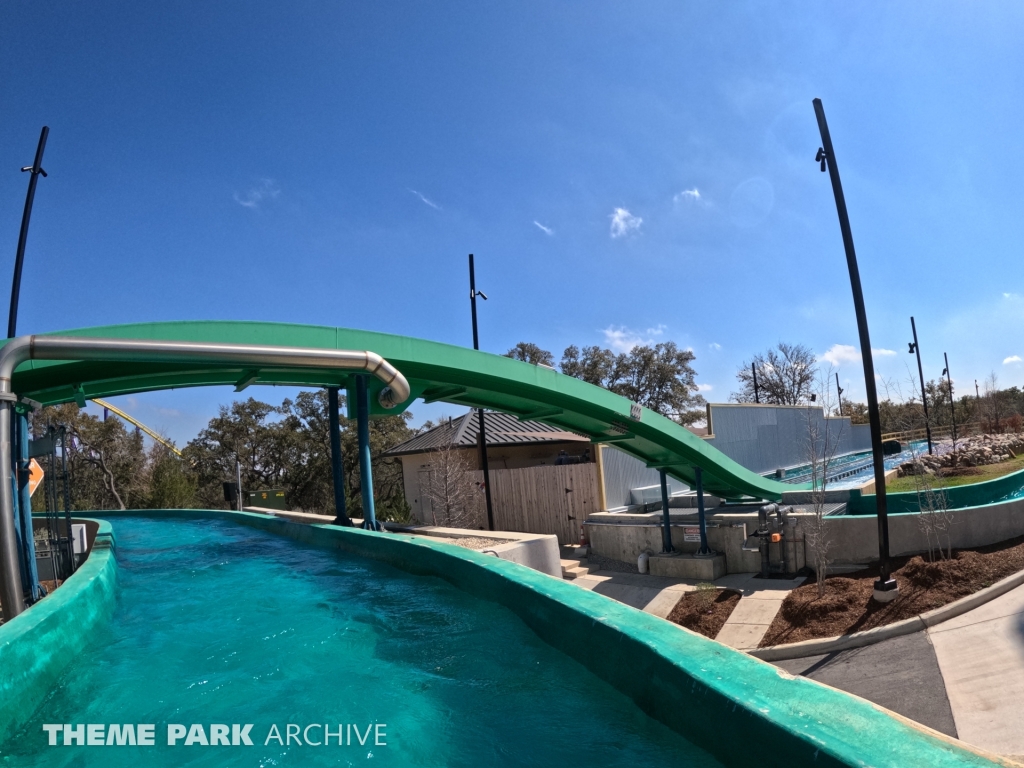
point(365, 470)
point(337, 471)
point(28, 539)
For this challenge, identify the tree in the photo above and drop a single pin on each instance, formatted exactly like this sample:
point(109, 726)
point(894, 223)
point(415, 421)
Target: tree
point(822, 446)
point(785, 376)
point(107, 464)
point(453, 495)
point(171, 483)
point(288, 446)
point(531, 353)
point(659, 377)
point(593, 365)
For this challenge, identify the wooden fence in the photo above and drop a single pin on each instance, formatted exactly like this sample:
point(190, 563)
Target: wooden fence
point(548, 499)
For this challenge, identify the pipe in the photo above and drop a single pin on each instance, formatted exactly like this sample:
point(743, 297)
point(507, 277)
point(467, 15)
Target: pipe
point(28, 541)
point(23, 348)
point(666, 525)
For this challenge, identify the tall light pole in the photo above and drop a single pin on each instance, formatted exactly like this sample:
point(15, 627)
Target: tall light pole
point(473, 293)
point(839, 395)
point(753, 372)
point(35, 170)
point(916, 348)
point(885, 588)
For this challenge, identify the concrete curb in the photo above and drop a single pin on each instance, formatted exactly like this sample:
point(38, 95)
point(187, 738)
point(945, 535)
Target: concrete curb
point(905, 627)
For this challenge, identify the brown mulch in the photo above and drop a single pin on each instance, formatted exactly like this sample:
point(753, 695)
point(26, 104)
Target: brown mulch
point(690, 613)
point(848, 607)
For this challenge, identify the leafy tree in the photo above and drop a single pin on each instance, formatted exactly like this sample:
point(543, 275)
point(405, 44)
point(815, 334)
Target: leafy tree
point(288, 446)
point(659, 377)
point(785, 376)
point(531, 353)
point(107, 463)
point(171, 483)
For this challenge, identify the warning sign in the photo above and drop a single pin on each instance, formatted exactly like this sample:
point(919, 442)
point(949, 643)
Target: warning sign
point(35, 476)
point(691, 533)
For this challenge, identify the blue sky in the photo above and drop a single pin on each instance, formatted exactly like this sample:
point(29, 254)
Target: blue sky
point(623, 173)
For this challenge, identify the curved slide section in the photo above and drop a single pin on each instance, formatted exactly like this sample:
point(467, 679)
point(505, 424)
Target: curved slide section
point(436, 372)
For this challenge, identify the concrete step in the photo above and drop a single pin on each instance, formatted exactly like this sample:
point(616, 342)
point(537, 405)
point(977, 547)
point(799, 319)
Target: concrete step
point(573, 569)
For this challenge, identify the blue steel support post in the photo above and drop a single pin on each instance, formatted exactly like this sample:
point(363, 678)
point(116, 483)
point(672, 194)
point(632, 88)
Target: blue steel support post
point(666, 526)
point(19, 523)
point(365, 470)
point(28, 540)
point(337, 471)
point(702, 520)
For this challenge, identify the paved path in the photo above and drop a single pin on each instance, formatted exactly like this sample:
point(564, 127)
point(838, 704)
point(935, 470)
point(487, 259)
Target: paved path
point(759, 603)
point(653, 594)
point(981, 655)
point(900, 674)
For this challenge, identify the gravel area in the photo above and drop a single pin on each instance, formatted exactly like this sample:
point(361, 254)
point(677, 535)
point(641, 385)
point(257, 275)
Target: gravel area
point(471, 542)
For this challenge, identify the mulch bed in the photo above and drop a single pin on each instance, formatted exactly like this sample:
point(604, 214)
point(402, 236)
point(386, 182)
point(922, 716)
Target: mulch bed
point(847, 605)
point(692, 612)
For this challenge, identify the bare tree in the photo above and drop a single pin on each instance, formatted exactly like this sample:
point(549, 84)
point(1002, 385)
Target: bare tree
point(823, 439)
point(786, 375)
point(451, 490)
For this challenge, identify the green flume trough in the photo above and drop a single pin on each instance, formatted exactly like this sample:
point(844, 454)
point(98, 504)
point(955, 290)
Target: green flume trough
point(436, 372)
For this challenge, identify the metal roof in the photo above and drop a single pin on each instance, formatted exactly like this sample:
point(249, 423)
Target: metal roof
point(501, 428)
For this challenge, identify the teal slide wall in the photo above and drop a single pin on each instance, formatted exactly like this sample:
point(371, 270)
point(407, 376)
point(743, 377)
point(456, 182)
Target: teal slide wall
point(957, 497)
point(744, 711)
point(39, 645)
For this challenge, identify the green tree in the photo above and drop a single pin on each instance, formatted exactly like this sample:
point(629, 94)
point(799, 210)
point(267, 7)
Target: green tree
point(660, 377)
point(531, 353)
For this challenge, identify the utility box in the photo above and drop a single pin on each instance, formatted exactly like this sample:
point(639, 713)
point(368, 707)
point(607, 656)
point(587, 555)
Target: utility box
point(271, 499)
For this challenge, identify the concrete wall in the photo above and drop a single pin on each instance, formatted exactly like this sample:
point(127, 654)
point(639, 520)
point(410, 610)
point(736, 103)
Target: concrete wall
point(854, 537)
point(764, 438)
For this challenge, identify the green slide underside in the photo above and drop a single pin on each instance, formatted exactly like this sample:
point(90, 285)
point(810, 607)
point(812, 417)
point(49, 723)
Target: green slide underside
point(436, 372)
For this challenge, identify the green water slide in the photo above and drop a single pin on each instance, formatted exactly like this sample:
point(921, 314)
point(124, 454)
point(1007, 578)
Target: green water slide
point(436, 372)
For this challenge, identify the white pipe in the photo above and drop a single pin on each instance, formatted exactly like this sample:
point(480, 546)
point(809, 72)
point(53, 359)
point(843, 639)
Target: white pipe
point(23, 348)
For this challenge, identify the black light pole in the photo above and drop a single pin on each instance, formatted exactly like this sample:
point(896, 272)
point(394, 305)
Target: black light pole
point(915, 347)
point(753, 372)
point(473, 293)
point(839, 394)
point(977, 394)
point(34, 170)
point(885, 587)
point(952, 403)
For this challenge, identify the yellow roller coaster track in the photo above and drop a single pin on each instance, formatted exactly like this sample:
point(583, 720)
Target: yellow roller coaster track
point(155, 435)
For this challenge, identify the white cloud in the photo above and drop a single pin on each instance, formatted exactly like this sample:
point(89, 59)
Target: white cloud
point(704, 387)
point(838, 354)
point(425, 199)
point(623, 339)
point(546, 230)
point(624, 222)
point(265, 190)
point(1012, 359)
point(841, 353)
point(715, 346)
point(689, 196)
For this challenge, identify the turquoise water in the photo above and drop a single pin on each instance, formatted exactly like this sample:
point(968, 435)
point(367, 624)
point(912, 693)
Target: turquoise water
point(220, 624)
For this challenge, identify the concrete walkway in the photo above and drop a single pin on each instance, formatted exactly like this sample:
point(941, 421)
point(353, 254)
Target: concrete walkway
point(981, 656)
point(760, 601)
point(654, 594)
